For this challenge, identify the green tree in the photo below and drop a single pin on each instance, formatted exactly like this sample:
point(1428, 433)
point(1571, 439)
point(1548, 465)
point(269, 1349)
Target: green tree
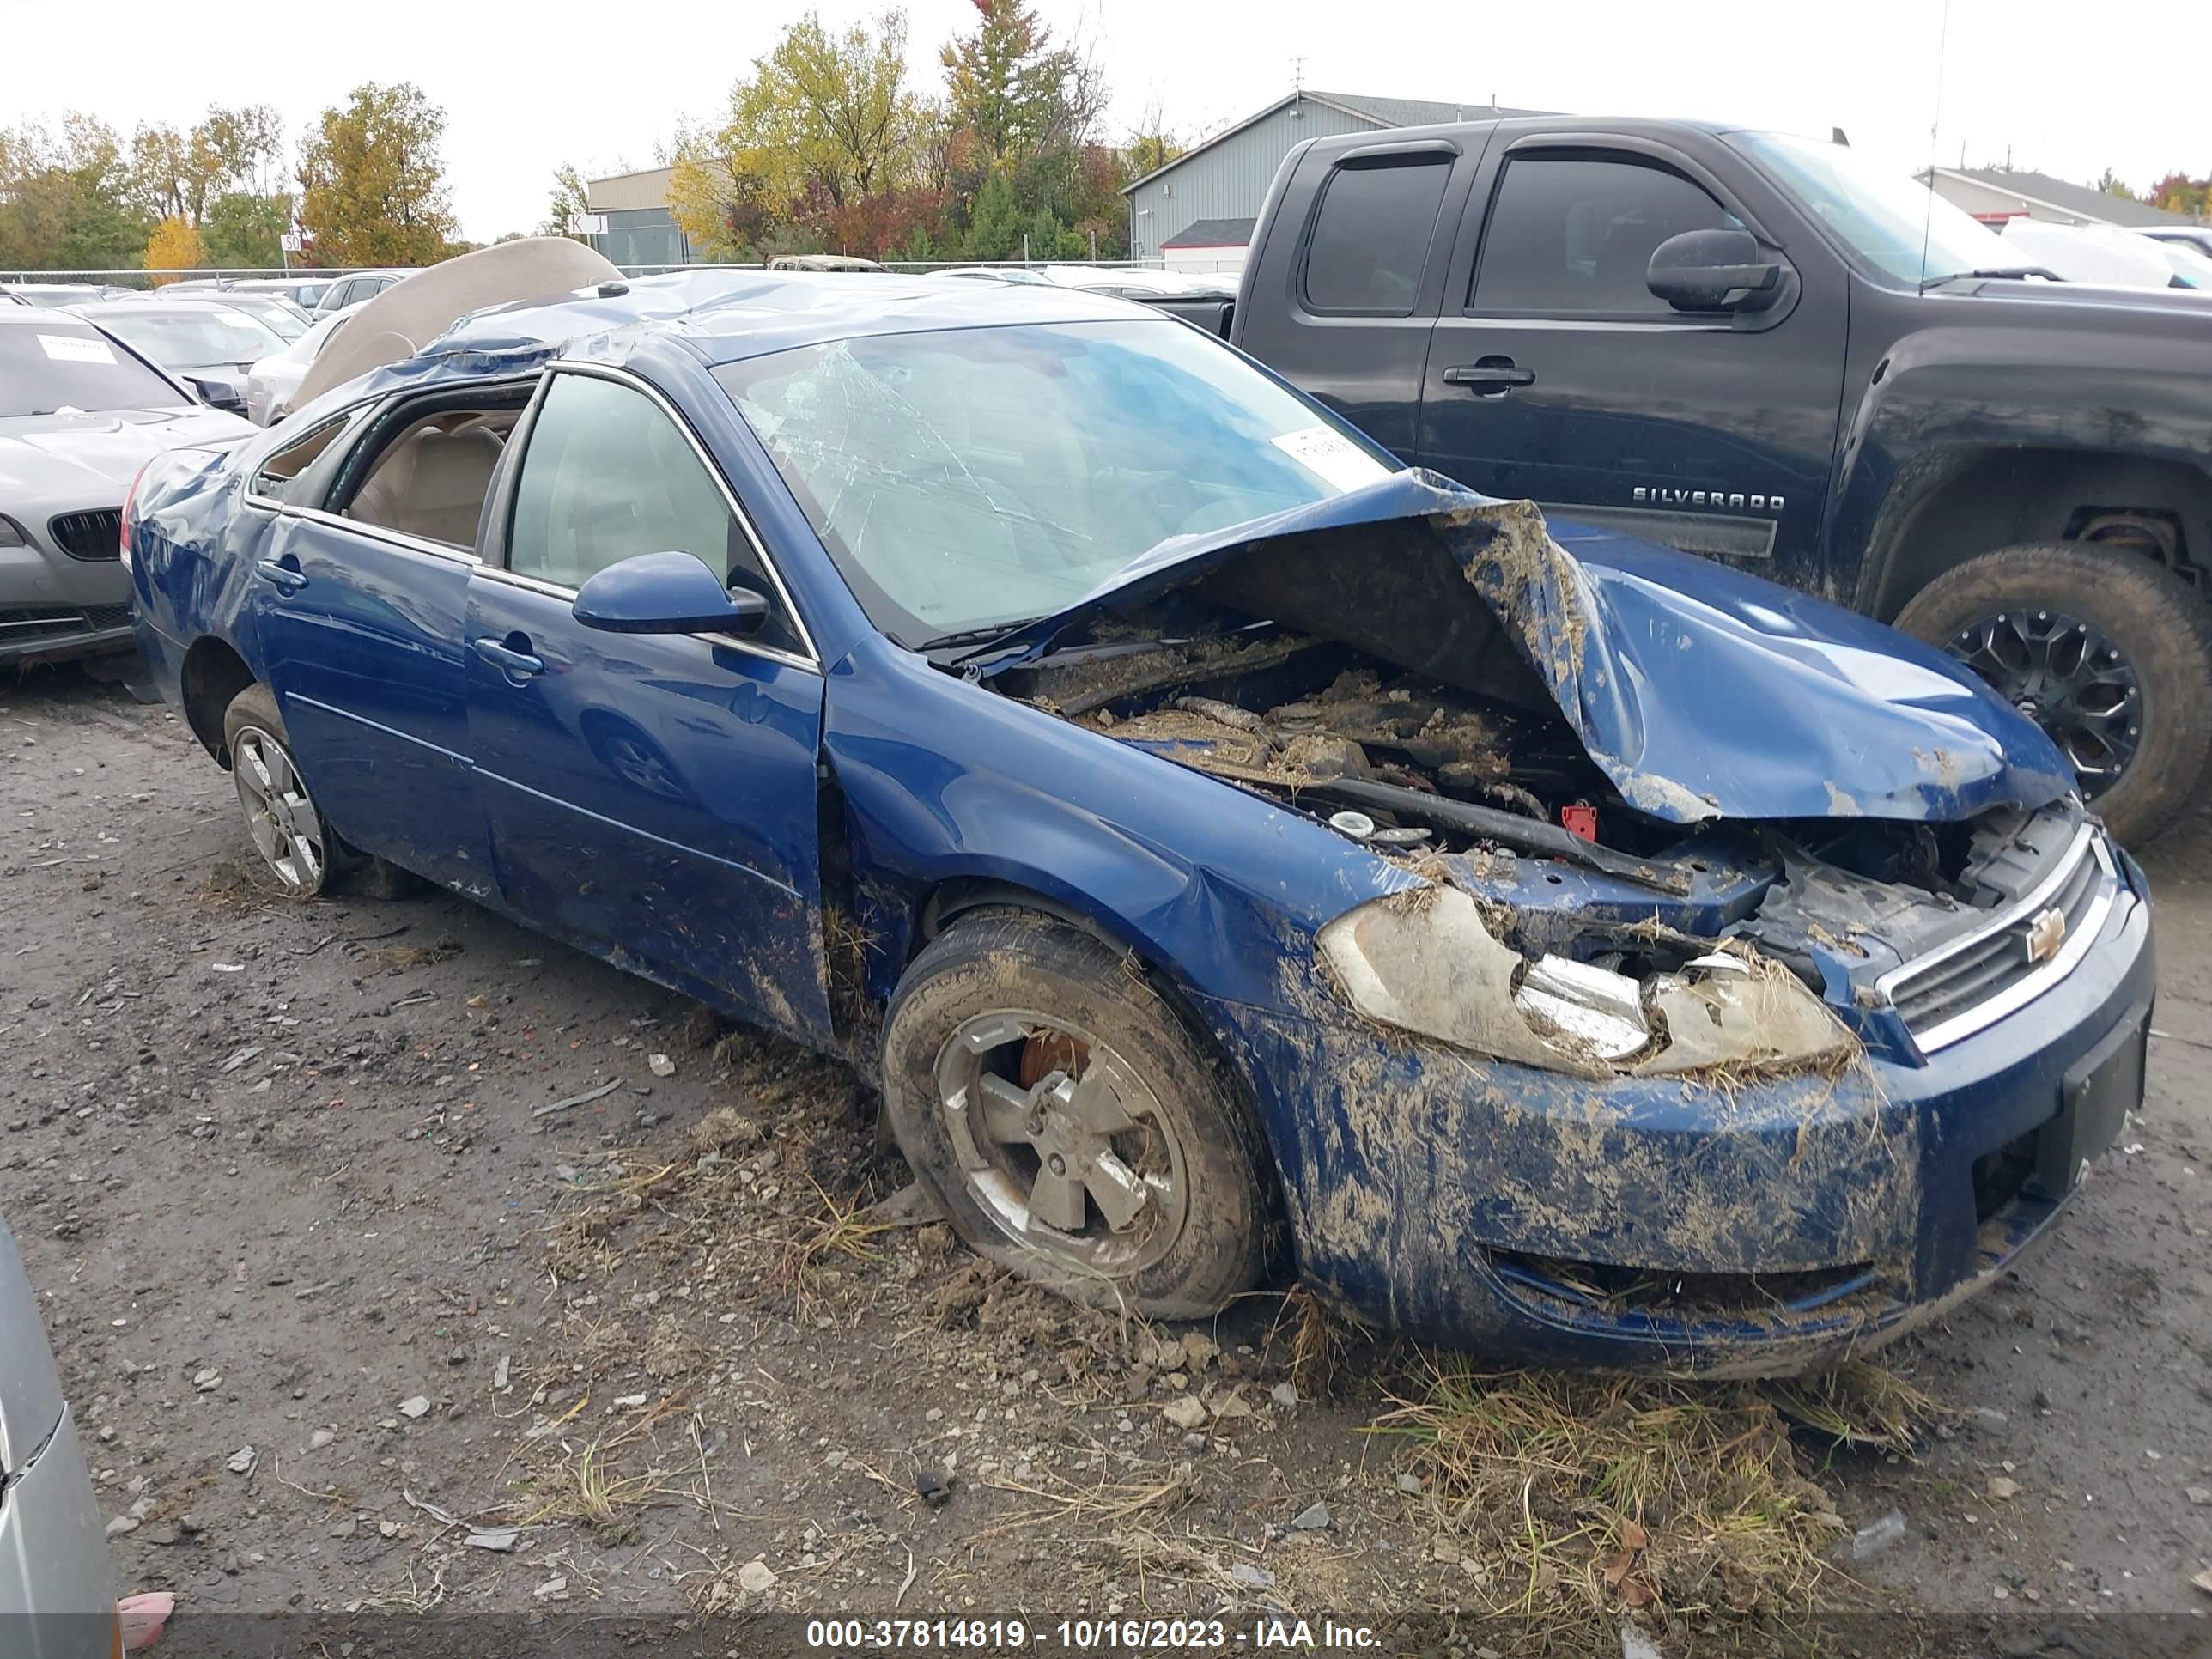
point(68, 202)
point(372, 184)
point(1015, 91)
point(2112, 186)
point(571, 196)
point(994, 226)
point(244, 228)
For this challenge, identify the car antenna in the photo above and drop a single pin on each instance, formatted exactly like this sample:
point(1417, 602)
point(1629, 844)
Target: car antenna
point(1936, 123)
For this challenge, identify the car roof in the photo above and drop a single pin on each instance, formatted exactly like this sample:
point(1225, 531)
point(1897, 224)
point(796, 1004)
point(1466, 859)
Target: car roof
point(727, 315)
point(32, 316)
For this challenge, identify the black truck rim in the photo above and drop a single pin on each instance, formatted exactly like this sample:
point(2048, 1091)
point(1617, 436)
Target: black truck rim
point(2068, 678)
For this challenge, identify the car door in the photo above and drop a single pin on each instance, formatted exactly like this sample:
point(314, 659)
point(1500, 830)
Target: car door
point(652, 797)
point(359, 634)
point(1557, 375)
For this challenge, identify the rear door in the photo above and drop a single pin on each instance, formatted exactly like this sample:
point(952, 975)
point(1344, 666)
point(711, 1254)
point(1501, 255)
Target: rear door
point(1556, 374)
point(359, 635)
point(1346, 318)
point(652, 796)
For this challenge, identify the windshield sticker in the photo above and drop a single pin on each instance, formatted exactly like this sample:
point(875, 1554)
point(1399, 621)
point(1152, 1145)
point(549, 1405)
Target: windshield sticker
point(74, 348)
point(1331, 457)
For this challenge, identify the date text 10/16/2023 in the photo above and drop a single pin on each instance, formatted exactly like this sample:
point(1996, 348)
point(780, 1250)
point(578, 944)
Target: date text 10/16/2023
point(1082, 1635)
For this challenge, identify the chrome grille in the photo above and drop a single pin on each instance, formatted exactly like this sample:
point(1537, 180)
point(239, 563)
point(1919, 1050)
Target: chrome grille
point(97, 534)
point(2016, 956)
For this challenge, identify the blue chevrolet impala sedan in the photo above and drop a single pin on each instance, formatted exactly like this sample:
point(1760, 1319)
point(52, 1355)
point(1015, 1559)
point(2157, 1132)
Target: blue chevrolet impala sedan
point(1235, 855)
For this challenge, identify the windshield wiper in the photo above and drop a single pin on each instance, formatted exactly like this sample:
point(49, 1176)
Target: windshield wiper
point(2009, 273)
point(969, 642)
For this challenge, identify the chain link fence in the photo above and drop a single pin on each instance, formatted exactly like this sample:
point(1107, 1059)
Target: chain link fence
point(142, 281)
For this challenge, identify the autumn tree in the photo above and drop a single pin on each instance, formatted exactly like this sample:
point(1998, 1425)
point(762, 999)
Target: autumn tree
point(825, 118)
point(2180, 193)
point(174, 245)
point(372, 179)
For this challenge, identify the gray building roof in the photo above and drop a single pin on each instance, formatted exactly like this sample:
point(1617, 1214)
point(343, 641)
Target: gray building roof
point(1375, 111)
point(2082, 201)
point(1213, 233)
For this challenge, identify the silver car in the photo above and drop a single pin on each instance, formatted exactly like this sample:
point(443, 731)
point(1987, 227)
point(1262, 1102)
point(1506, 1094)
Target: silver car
point(272, 384)
point(80, 413)
point(56, 1585)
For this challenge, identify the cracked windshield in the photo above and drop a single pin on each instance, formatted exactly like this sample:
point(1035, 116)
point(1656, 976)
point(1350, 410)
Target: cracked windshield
point(967, 481)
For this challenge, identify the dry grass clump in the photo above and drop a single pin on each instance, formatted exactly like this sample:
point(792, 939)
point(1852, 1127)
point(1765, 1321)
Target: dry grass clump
point(1586, 1496)
point(1862, 1404)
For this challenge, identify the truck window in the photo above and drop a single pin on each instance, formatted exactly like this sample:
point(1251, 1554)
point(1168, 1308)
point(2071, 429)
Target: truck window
point(1371, 239)
point(1573, 235)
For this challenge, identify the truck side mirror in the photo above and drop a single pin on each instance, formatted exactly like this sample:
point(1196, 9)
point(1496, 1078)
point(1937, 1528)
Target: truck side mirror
point(1715, 271)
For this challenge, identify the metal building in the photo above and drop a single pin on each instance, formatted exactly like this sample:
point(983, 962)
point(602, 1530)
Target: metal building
point(640, 229)
point(1219, 184)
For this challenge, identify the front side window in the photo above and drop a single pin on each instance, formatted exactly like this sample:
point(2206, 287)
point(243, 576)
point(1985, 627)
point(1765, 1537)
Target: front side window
point(608, 476)
point(1371, 239)
point(1574, 235)
point(964, 480)
point(55, 364)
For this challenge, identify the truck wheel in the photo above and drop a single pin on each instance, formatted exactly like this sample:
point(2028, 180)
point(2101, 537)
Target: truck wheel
point(2110, 653)
point(1068, 1121)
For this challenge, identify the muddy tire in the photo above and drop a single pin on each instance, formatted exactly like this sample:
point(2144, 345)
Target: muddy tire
point(2109, 652)
point(1070, 1123)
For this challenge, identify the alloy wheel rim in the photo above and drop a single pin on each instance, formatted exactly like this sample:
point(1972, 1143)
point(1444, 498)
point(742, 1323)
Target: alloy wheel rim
point(280, 816)
point(1079, 1162)
point(2069, 678)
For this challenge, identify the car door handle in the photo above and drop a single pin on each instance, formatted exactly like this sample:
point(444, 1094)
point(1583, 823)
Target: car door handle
point(1490, 377)
point(513, 662)
point(285, 578)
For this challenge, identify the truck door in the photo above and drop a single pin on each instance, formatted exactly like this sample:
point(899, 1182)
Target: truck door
point(1347, 318)
point(1555, 374)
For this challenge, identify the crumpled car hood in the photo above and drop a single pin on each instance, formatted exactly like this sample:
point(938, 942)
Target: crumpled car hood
point(1700, 692)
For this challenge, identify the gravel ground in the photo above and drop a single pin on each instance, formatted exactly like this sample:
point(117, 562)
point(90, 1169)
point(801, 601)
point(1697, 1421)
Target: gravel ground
point(329, 1282)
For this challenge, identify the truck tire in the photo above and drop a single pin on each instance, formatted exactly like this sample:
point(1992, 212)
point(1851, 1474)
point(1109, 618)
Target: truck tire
point(2106, 651)
point(1069, 1122)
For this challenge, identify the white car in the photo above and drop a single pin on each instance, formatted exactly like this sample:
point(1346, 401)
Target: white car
point(57, 1584)
point(272, 383)
point(2101, 255)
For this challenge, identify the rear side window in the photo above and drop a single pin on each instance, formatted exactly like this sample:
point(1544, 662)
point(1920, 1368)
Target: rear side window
point(286, 463)
point(1371, 239)
point(1574, 235)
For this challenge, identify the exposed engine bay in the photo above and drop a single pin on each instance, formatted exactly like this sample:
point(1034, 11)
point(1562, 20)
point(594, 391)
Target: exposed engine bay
point(1485, 793)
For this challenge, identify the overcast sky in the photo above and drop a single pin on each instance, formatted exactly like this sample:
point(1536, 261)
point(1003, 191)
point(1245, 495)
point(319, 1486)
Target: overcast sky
point(2066, 89)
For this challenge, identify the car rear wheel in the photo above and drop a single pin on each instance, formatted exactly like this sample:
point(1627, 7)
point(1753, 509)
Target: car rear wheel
point(2108, 652)
point(1069, 1122)
point(298, 852)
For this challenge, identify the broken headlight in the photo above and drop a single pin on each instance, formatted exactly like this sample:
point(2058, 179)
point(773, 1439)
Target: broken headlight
point(1422, 961)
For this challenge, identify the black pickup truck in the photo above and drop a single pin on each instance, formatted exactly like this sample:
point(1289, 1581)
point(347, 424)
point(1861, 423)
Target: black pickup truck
point(1766, 349)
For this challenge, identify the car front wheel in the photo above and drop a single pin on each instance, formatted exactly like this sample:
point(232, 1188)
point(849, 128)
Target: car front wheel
point(2108, 652)
point(1068, 1121)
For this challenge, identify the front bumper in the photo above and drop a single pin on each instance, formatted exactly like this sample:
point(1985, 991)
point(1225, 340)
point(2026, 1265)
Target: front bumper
point(57, 1584)
point(52, 606)
point(1661, 1225)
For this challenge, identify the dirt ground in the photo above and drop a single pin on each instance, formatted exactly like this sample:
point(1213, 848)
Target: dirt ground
point(329, 1279)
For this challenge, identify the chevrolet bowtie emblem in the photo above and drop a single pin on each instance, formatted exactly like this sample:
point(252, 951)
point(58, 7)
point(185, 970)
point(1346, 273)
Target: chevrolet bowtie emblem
point(2046, 931)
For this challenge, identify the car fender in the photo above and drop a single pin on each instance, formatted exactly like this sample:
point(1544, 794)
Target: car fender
point(1944, 396)
point(1216, 888)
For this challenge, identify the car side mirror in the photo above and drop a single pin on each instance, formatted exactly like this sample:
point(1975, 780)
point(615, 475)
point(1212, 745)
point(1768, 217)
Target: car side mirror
point(667, 593)
point(215, 394)
point(1715, 271)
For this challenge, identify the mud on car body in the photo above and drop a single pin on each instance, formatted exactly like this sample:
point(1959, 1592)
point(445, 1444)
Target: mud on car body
point(1234, 854)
